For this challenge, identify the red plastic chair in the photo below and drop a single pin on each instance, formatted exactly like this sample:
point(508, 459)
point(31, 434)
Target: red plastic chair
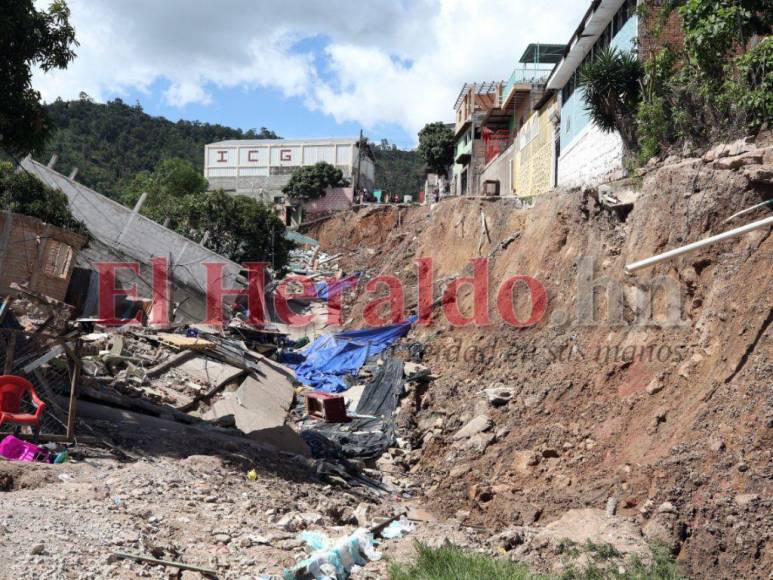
point(12, 391)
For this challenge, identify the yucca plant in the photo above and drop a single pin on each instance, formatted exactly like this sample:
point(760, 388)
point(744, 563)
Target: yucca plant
point(612, 85)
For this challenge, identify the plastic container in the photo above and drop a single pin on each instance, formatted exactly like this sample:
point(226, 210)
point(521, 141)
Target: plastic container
point(15, 449)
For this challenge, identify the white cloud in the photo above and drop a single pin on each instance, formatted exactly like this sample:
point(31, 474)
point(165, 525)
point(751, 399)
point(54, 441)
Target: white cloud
point(386, 61)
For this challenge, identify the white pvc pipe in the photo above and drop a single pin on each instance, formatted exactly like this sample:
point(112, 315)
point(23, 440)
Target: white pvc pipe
point(630, 268)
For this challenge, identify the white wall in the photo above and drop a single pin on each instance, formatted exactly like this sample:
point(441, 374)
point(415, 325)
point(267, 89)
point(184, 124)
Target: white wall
point(592, 157)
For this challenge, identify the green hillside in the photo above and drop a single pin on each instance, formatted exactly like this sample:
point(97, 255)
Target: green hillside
point(110, 143)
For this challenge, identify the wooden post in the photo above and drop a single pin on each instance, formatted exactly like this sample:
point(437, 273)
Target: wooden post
point(75, 379)
point(10, 352)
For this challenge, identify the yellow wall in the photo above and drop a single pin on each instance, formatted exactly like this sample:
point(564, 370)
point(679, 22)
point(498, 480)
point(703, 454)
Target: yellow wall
point(533, 159)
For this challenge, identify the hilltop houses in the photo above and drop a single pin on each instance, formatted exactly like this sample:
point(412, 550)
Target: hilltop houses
point(532, 133)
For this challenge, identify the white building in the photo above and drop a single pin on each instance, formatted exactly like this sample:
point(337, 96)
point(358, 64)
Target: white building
point(587, 154)
point(261, 167)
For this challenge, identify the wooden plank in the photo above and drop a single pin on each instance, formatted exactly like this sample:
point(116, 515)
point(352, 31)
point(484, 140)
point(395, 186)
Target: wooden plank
point(10, 353)
point(180, 341)
point(71, 410)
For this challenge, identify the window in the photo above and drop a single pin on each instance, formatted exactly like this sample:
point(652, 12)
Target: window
point(57, 259)
point(619, 20)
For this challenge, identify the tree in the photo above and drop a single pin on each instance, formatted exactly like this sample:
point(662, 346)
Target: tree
point(111, 142)
point(311, 181)
point(436, 147)
point(240, 228)
point(171, 180)
point(612, 84)
point(28, 38)
point(25, 194)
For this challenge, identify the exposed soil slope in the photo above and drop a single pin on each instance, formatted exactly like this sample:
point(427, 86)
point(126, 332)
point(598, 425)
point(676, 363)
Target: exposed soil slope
point(675, 424)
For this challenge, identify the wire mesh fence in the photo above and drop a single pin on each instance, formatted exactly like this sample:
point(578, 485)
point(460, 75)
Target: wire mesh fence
point(45, 363)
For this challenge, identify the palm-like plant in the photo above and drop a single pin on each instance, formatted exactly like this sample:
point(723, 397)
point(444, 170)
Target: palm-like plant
point(612, 85)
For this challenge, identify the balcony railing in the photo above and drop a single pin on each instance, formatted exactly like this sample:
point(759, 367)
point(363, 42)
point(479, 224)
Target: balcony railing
point(526, 76)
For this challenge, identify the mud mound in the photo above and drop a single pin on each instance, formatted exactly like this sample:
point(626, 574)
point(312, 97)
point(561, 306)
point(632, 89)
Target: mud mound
point(646, 390)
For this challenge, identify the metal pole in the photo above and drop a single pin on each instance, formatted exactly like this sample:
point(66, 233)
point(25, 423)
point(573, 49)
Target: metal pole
point(630, 268)
point(76, 375)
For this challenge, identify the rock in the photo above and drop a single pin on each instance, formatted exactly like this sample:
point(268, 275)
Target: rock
point(582, 525)
point(532, 400)
point(660, 530)
point(531, 514)
point(480, 493)
point(479, 424)
point(717, 445)
point(361, 514)
point(740, 146)
point(759, 174)
point(654, 387)
point(479, 442)
point(744, 499)
point(37, 549)
point(524, 460)
point(550, 453)
point(647, 507)
point(498, 396)
point(611, 508)
point(289, 522)
point(737, 161)
point(666, 508)
point(222, 538)
point(459, 471)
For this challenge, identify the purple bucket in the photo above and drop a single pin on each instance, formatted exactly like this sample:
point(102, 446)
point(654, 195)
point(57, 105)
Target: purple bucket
point(15, 449)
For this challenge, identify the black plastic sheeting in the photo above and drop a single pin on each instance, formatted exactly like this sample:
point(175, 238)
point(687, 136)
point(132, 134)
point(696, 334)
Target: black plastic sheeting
point(382, 395)
point(364, 437)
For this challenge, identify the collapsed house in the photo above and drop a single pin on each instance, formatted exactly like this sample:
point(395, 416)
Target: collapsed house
point(120, 234)
point(37, 255)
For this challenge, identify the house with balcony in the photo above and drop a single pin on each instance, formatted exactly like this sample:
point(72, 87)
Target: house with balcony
point(472, 105)
point(504, 125)
point(586, 154)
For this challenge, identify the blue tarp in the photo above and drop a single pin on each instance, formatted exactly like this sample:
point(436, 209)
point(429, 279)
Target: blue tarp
point(325, 291)
point(332, 356)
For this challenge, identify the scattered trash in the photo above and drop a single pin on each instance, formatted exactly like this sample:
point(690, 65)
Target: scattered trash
point(334, 560)
point(398, 528)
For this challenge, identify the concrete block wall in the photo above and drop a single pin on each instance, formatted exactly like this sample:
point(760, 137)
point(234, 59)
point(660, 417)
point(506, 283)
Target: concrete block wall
point(592, 158)
point(499, 169)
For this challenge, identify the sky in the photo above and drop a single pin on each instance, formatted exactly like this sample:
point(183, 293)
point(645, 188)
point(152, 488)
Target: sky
point(303, 68)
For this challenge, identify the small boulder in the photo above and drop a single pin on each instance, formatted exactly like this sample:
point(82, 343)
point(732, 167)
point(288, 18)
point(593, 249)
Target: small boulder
point(479, 424)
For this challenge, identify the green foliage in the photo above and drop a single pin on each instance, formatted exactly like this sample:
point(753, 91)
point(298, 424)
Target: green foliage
point(171, 180)
point(397, 170)
point(26, 194)
point(310, 182)
point(756, 84)
point(436, 146)
point(450, 562)
point(708, 92)
point(110, 143)
point(29, 38)
point(612, 92)
point(713, 28)
point(655, 122)
point(240, 228)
